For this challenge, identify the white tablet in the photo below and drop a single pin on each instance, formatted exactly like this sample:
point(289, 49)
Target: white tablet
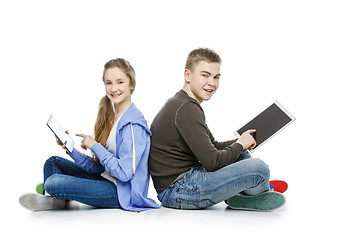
point(60, 133)
point(268, 123)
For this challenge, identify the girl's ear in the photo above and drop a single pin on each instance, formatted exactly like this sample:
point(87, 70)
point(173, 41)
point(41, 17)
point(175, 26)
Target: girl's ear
point(187, 75)
point(132, 87)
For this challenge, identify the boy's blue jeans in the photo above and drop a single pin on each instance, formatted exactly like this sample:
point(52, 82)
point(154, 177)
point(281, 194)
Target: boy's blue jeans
point(199, 188)
point(66, 180)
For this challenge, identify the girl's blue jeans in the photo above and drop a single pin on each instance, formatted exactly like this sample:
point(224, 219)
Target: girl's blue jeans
point(66, 180)
point(199, 188)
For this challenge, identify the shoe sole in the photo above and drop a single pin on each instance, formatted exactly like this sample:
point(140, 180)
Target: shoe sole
point(263, 202)
point(37, 202)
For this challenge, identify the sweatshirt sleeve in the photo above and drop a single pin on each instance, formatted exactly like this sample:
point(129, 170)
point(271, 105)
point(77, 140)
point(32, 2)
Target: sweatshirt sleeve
point(122, 168)
point(86, 161)
point(190, 122)
point(220, 145)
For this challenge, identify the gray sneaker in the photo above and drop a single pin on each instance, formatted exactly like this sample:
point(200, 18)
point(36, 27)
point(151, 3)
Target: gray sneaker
point(266, 201)
point(37, 202)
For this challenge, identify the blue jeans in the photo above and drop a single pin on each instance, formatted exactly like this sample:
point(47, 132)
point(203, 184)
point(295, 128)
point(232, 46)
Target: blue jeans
point(65, 180)
point(199, 188)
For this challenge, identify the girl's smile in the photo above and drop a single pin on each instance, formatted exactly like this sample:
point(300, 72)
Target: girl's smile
point(115, 94)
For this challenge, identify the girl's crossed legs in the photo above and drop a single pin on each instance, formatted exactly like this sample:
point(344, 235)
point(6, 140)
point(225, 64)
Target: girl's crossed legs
point(65, 180)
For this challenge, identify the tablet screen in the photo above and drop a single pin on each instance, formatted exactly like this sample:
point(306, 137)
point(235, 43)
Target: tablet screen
point(59, 132)
point(267, 123)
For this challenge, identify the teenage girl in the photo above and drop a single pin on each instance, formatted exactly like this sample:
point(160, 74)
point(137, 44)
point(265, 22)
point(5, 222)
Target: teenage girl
point(116, 175)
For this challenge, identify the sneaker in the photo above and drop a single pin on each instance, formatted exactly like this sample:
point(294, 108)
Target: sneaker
point(264, 202)
point(278, 186)
point(37, 202)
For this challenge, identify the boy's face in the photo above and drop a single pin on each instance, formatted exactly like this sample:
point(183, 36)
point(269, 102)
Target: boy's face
point(203, 80)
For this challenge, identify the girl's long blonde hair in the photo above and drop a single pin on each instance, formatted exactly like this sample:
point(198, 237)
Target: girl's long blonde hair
point(106, 115)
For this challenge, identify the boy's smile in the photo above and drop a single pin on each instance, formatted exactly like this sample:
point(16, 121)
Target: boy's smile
point(202, 82)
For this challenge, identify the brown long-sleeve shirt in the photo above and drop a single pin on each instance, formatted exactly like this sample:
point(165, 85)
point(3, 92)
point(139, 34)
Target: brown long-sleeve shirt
point(181, 140)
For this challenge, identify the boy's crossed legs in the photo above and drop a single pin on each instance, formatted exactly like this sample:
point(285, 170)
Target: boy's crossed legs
point(199, 188)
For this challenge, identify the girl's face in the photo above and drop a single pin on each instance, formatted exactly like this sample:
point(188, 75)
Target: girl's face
point(117, 85)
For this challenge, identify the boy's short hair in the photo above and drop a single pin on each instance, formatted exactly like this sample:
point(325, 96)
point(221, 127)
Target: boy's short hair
point(201, 54)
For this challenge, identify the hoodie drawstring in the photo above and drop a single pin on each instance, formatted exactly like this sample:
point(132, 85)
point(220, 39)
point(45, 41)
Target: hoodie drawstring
point(133, 141)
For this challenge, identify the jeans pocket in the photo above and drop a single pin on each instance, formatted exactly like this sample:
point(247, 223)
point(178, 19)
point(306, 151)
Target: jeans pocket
point(160, 196)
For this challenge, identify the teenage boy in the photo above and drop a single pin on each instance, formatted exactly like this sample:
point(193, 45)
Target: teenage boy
point(189, 168)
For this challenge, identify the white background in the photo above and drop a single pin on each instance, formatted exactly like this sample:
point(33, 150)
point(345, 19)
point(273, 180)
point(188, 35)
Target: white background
point(306, 54)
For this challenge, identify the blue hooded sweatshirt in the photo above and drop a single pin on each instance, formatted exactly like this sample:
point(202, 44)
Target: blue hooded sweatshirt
point(130, 163)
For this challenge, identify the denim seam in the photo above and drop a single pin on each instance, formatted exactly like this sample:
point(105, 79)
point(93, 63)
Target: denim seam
point(65, 196)
point(83, 196)
point(71, 167)
point(244, 176)
point(179, 200)
point(195, 204)
point(170, 196)
point(186, 181)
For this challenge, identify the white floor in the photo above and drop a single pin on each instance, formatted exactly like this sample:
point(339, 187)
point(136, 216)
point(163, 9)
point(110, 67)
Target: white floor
point(303, 53)
point(303, 217)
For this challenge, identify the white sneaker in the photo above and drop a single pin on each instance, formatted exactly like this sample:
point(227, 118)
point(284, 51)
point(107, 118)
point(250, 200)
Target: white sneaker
point(37, 202)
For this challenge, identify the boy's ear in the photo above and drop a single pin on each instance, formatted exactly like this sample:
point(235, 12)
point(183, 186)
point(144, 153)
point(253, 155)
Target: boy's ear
point(187, 75)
